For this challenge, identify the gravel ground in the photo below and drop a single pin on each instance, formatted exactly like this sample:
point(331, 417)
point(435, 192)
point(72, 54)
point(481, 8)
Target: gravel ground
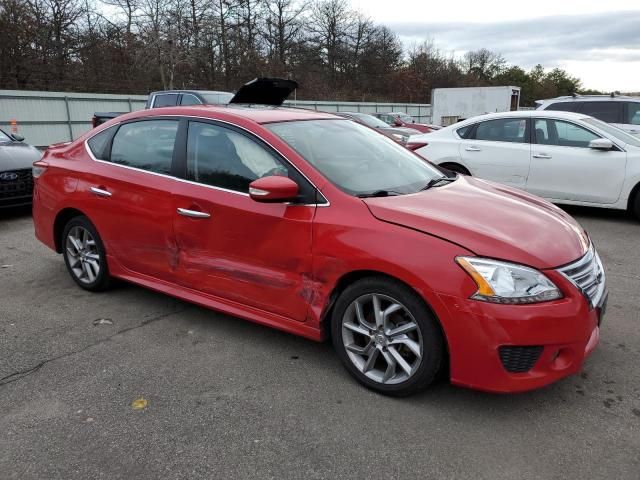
point(230, 399)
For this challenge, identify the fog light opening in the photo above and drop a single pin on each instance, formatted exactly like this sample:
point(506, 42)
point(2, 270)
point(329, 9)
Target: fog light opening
point(561, 359)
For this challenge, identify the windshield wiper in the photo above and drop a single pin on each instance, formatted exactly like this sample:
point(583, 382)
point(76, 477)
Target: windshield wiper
point(434, 182)
point(379, 193)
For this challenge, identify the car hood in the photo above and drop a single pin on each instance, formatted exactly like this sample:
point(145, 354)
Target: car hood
point(265, 91)
point(17, 155)
point(489, 219)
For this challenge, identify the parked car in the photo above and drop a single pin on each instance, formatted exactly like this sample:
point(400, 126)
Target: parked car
point(618, 110)
point(102, 117)
point(399, 119)
point(564, 157)
point(399, 134)
point(280, 87)
point(171, 98)
point(319, 226)
point(16, 160)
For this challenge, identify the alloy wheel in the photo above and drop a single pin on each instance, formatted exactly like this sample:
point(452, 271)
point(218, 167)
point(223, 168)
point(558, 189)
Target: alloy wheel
point(82, 254)
point(382, 338)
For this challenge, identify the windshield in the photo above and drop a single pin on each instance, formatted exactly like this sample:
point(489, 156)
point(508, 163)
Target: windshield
point(217, 98)
point(613, 131)
point(355, 158)
point(405, 118)
point(4, 137)
point(371, 121)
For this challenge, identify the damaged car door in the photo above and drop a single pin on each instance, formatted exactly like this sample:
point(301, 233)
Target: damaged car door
point(230, 246)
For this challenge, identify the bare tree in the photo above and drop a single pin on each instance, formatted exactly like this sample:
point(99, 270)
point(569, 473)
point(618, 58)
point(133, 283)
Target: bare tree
point(483, 64)
point(282, 31)
point(331, 22)
point(135, 46)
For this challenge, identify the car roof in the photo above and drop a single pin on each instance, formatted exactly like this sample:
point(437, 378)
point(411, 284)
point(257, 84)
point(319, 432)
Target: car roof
point(589, 98)
point(517, 114)
point(256, 113)
point(527, 114)
point(160, 92)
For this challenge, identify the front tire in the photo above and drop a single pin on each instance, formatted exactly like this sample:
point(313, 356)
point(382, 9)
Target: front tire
point(386, 337)
point(84, 255)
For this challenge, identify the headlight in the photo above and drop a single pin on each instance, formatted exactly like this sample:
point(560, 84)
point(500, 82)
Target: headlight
point(502, 282)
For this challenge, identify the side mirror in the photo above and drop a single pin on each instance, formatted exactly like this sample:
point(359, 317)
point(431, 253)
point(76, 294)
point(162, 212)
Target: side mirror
point(601, 144)
point(17, 138)
point(273, 189)
point(397, 123)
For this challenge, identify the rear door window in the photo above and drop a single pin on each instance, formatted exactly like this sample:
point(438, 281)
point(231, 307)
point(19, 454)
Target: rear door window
point(189, 99)
point(633, 113)
point(165, 100)
point(98, 144)
point(512, 130)
point(147, 145)
point(464, 131)
point(610, 112)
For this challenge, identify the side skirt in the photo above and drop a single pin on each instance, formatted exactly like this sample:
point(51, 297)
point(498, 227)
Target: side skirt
point(213, 302)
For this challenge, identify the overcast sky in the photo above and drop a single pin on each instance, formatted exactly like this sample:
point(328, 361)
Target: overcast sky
point(595, 40)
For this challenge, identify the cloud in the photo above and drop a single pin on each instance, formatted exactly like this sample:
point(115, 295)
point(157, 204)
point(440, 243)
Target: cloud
point(551, 41)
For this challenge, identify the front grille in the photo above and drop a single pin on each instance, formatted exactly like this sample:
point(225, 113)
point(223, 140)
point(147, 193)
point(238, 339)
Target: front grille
point(519, 359)
point(21, 186)
point(587, 274)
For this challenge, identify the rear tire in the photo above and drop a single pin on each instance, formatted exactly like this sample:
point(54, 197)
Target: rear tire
point(455, 167)
point(634, 207)
point(398, 352)
point(84, 255)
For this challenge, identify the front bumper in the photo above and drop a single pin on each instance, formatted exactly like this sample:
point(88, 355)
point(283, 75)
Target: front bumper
point(567, 330)
point(16, 191)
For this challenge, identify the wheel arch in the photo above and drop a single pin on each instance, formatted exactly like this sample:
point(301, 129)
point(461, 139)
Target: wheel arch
point(633, 195)
point(353, 276)
point(62, 218)
point(457, 164)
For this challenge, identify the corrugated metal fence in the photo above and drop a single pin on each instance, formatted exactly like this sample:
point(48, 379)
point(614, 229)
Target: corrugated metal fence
point(44, 118)
point(420, 111)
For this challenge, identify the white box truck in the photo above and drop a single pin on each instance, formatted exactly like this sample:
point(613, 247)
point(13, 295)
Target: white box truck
point(450, 105)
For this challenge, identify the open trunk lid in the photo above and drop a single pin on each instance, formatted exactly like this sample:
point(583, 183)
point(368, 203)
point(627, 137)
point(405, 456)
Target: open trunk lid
point(265, 91)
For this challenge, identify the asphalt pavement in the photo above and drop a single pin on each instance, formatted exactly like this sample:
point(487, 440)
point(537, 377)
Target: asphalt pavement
point(134, 384)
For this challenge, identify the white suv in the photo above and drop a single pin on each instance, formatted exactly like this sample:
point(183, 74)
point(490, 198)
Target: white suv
point(621, 111)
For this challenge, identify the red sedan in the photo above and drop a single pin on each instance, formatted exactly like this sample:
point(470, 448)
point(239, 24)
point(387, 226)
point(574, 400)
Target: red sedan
point(319, 226)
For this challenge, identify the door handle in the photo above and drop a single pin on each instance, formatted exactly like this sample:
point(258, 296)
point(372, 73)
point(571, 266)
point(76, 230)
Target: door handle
point(100, 192)
point(193, 213)
point(473, 149)
point(541, 155)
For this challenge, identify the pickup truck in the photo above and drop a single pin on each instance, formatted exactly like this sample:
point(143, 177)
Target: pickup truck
point(265, 91)
point(170, 98)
